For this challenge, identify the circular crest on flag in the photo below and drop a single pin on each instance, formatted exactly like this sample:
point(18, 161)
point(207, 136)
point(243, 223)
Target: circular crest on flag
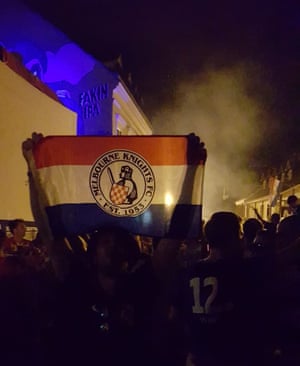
point(122, 183)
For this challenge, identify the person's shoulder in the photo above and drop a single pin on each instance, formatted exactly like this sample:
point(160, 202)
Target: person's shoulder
point(9, 240)
point(269, 226)
point(216, 265)
point(9, 244)
point(258, 267)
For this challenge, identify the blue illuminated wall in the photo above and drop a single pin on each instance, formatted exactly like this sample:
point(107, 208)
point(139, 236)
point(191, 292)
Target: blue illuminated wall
point(82, 84)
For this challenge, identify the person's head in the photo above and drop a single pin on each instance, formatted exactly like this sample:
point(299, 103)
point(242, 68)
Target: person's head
point(275, 218)
point(292, 202)
point(113, 250)
point(250, 228)
point(126, 172)
point(223, 232)
point(18, 228)
point(288, 231)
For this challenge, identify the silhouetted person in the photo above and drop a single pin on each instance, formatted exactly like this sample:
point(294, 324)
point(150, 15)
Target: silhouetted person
point(250, 229)
point(106, 311)
point(222, 300)
point(17, 244)
point(271, 225)
point(293, 205)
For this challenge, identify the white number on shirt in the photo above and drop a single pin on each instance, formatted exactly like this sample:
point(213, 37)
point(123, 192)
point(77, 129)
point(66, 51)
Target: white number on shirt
point(195, 283)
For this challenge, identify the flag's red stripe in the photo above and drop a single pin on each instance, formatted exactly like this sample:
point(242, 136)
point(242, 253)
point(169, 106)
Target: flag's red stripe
point(84, 150)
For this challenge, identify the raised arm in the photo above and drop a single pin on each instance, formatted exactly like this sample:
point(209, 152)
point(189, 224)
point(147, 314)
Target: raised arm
point(259, 217)
point(59, 255)
point(35, 199)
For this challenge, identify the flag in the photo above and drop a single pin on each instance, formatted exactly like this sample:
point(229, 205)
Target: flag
point(149, 185)
point(274, 190)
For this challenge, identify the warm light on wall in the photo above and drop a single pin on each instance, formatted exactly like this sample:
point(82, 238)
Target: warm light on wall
point(168, 199)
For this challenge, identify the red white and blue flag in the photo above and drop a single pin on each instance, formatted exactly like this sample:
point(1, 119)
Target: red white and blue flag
point(150, 185)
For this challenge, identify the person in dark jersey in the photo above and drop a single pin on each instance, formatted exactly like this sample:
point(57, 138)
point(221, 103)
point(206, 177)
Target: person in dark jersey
point(221, 300)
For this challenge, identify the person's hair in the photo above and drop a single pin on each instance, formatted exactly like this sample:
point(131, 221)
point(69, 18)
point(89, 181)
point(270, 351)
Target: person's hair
point(275, 217)
point(125, 246)
point(251, 227)
point(288, 230)
point(14, 223)
point(292, 199)
point(223, 230)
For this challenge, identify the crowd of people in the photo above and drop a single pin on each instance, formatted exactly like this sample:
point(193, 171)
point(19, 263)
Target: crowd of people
point(229, 297)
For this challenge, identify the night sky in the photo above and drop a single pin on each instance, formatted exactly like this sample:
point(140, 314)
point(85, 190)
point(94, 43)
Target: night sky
point(165, 42)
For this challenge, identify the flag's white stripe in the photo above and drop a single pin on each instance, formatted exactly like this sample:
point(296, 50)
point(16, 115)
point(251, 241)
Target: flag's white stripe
point(69, 184)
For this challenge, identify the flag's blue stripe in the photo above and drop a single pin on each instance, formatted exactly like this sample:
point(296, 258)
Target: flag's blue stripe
point(70, 219)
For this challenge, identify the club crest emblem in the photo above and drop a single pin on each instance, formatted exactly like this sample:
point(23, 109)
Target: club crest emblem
point(122, 183)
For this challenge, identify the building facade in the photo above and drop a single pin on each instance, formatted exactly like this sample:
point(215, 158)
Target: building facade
point(271, 196)
point(50, 85)
point(98, 95)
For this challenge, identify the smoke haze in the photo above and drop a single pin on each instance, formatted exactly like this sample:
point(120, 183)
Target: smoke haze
point(221, 107)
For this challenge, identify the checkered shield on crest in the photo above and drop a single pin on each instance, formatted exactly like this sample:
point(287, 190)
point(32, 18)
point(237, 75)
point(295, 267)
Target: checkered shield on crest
point(118, 193)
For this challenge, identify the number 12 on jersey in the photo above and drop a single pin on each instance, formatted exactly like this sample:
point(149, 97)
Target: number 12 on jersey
point(196, 285)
